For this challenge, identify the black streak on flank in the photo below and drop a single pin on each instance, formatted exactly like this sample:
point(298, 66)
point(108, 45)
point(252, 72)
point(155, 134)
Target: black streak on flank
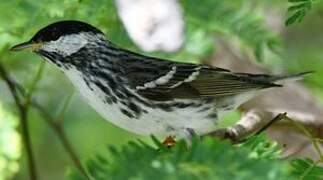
point(108, 100)
point(87, 82)
point(114, 99)
point(136, 109)
point(182, 105)
point(204, 109)
point(120, 95)
point(213, 116)
point(110, 97)
point(127, 113)
point(165, 107)
point(106, 90)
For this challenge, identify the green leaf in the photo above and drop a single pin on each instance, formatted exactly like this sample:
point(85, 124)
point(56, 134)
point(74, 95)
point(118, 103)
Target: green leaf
point(294, 18)
point(298, 10)
point(10, 145)
point(297, 7)
point(307, 169)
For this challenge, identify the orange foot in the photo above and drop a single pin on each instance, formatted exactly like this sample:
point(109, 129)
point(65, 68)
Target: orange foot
point(169, 141)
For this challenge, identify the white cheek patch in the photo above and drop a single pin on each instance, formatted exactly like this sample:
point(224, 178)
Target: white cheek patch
point(67, 45)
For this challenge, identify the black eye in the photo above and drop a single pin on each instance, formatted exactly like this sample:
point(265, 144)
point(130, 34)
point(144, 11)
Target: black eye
point(47, 35)
point(53, 35)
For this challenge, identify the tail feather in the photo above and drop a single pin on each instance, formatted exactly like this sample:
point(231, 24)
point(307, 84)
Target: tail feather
point(290, 77)
point(272, 80)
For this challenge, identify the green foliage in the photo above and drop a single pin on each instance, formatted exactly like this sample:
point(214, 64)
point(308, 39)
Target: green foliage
point(298, 10)
point(207, 159)
point(307, 169)
point(262, 148)
point(245, 26)
point(9, 144)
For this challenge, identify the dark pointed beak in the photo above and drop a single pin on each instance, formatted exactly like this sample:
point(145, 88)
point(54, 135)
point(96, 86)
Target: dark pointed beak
point(27, 46)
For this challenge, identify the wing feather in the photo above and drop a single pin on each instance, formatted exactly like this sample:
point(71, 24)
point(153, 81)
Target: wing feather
point(207, 83)
point(162, 80)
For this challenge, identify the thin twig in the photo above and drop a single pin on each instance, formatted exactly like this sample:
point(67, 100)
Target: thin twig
point(279, 117)
point(308, 170)
point(52, 123)
point(314, 141)
point(34, 82)
point(248, 125)
point(66, 104)
point(61, 135)
point(23, 111)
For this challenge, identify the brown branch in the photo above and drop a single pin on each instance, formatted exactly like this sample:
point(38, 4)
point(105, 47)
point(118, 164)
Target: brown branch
point(252, 123)
point(23, 111)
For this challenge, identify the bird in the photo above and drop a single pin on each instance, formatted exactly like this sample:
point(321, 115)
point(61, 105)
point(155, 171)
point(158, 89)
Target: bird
point(142, 94)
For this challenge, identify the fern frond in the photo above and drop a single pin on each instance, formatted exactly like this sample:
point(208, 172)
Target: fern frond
point(297, 10)
point(307, 169)
point(207, 159)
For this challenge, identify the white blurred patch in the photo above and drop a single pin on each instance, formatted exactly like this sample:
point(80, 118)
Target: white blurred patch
point(153, 24)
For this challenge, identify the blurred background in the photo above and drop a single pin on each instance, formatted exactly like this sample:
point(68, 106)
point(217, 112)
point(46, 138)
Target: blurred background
point(241, 35)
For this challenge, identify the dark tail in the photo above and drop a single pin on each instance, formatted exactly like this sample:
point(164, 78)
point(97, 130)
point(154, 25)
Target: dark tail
point(290, 77)
point(271, 80)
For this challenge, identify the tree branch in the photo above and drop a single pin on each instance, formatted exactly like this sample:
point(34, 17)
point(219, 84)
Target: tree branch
point(23, 111)
point(61, 135)
point(252, 123)
point(57, 127)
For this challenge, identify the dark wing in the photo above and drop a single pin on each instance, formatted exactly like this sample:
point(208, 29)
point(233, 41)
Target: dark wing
point(162, 80)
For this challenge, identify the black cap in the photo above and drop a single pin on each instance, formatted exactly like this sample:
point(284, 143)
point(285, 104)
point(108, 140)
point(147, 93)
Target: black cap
point(54, 31)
